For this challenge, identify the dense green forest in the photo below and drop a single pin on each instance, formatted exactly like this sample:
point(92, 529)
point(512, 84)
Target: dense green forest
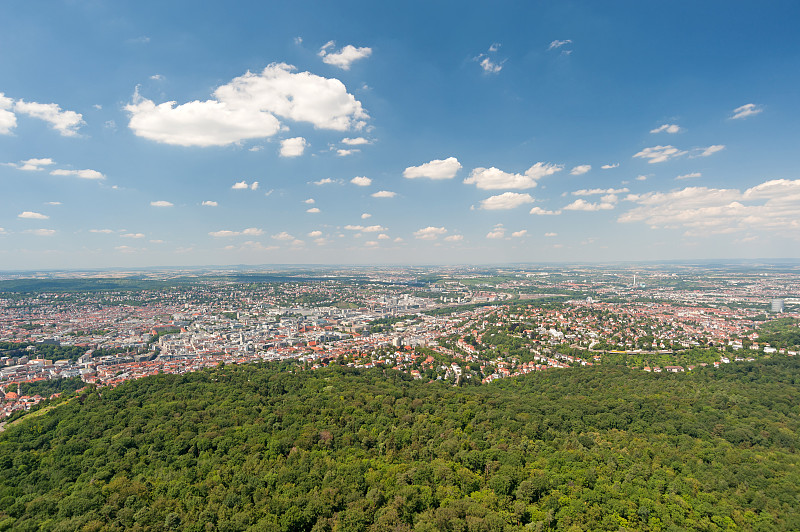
point(270, 447)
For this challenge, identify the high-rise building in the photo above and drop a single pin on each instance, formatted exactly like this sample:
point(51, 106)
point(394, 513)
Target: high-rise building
point(776, 305)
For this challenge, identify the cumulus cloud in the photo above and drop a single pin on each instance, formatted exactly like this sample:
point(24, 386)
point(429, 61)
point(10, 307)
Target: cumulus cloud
point(436, 169)
point(690, 176)
point(544, 212)
point(345, 153)
point(101, 231)
point(209, 203)
point(597, 191)
point(610, 166)
point(83, 174)
point(358, 141)
point(384, 194)
point(770, 207)
point(345, 57)
point(283, 235)
point(161, 203)
point(367, 229)
point(132, 235)
point(250, 231)
point(488, 66)
point(506, 200)
point(550, 235)
point(454, 238)
point(65, 122)
point(309, 201)
point(429, 233)
point(293, 147)
point(325, 181)
point(315, 234)
point(8, 120)
point(606, 203)
point(30, 215)
point(365, 215)
point(711, 150)
point(242, 185)
point(580, 170)
point(313, 210)
point(33, 165)
point(247, 107)
point(494, 178)
point(519, 234)
point(659, 154)
point(748, 109)
point(361, 181)
point(497, 233)
point(558, 44)
point(384, 236)
point(667, 128)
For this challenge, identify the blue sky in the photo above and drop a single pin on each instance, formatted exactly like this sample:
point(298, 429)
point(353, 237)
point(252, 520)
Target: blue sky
point(183, 133)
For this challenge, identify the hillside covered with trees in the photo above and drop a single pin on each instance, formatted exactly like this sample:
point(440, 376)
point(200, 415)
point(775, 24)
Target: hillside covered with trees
point(272, 447)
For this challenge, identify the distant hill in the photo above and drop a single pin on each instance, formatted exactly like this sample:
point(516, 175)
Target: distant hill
point(270, 447)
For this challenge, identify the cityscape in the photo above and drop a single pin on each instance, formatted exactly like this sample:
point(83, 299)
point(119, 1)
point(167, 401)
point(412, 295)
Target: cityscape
point(460, 325)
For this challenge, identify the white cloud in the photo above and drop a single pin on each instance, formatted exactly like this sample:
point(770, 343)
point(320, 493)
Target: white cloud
point(690, 176)
point(384, 236)
point(506, 200)
point(247, 107)
point(161, 203)
point(41, 232)
point(580, 170)
point(667, 128)
point(710, 150)
point(52, 203)
point(133, 235)
point(489, 66)
point(102, 231)
point(606, 203)
point(309, 201)
point(313, 210)
point(345, 153)
point(33, 165)
point(315, 234)
point(83, 174)
point(8, 120)
point(345, 57)
point(597, 191)
point(641, 178)
point(157, 77)
point(748, 109)
point(771, 206)
point(494, 178)
point(358, 141)
point(429, 233)
point(543, 212)
point(242, 185)
point(250, 231)
point(436, 169)
point(495, 46)
point(558, 44)
point(610, 166)
point(325, 181)
point(519, 234)
point(366, 215)
point(384, 194)
point(361, 181)
point(65, 122)
point(659, 154)
point(293, 147)
point(32, 215)
point(497, 233)
point(454, 238)
point(550, 235)
point(283, 235)
point(368, 229)
point(209, 203)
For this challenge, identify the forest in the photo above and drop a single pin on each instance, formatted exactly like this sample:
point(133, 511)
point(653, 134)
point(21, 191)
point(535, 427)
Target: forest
point(274, 447)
